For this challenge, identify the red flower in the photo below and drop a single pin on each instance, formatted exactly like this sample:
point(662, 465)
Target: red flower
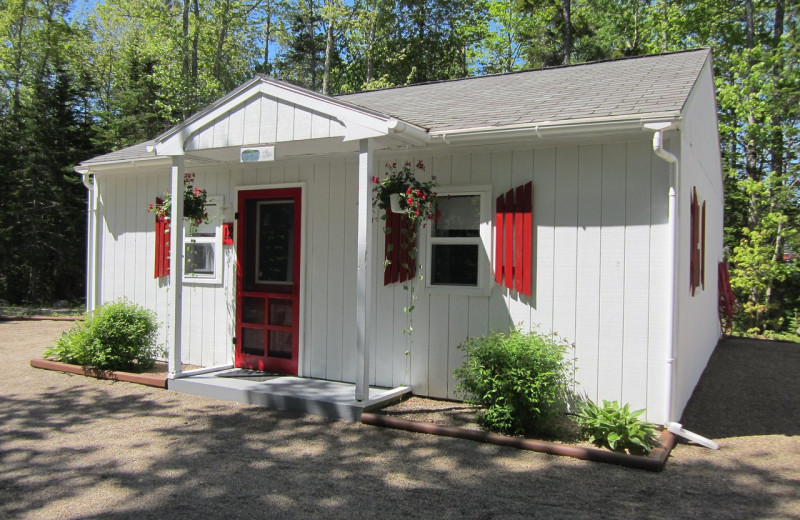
point(150, 207)
point(424, 196)
point(419, 193)
point(375, 180)
point(421, 165)
point(409, 191)
point(410, 201)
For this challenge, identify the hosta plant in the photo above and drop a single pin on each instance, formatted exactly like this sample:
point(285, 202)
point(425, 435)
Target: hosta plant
point(617, 427)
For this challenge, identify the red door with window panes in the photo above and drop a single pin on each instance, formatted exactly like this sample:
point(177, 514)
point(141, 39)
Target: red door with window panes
point(268, 280)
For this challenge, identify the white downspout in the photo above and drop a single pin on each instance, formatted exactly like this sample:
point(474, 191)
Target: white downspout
point(91, 240)
point(672, 270)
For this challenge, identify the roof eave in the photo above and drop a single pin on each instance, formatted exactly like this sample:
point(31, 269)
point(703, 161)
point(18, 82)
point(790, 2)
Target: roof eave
point(563, 128)
point(91, 167)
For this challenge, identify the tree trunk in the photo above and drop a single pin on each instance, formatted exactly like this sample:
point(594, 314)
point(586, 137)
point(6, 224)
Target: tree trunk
point(566, 11)
point(195, 40)
point(267, 36)
point(185, 41)
point(326, 75)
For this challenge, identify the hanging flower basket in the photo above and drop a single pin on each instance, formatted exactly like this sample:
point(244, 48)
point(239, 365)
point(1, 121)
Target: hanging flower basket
point(401, 192)
point(194, 204)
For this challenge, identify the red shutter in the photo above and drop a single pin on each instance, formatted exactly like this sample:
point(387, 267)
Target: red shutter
point(527, 239)
point(162, 245)
point(514, 239)
point(508, 223)
point(519, 207)
point(703, 248)
point(397, 248)
point(500, 209)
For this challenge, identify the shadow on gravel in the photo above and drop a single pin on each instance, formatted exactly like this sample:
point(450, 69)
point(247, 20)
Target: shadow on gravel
point(750, 387)
point(224, 462)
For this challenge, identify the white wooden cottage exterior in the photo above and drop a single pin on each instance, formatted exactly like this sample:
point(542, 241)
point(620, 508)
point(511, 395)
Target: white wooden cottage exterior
point(611, 247)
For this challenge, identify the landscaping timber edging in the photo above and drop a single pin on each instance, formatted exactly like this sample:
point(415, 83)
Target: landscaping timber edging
point(154, 380)
point(655, 461)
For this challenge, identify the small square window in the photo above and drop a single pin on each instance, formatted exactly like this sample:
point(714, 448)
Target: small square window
point(458, 244)
point(202, 246)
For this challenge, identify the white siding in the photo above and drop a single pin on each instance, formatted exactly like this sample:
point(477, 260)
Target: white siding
point(700, 166)
point(599, 224)
point(263, 119)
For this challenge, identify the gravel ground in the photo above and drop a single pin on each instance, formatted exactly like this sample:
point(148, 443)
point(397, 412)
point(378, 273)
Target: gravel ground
point(75, 447)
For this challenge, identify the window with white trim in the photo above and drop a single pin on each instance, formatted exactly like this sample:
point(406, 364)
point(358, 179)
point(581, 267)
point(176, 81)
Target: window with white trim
point(202, 248)
point(458, 245)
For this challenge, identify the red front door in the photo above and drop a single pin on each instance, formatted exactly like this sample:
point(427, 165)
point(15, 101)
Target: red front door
point(268, 280)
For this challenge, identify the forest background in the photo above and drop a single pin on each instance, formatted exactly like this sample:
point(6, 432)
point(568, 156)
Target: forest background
point(79, 80)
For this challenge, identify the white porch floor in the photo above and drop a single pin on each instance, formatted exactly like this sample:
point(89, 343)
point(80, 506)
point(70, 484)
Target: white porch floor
point(312, 396)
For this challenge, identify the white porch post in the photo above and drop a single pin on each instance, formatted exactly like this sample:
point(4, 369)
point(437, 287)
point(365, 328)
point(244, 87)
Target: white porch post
point(175, 267)
point(364, 292)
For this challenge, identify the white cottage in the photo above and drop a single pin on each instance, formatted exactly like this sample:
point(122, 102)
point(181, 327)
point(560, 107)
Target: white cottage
point(615, 163)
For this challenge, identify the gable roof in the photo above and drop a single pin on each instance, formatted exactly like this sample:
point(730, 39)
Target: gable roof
point(642, 85)
point(656, 85)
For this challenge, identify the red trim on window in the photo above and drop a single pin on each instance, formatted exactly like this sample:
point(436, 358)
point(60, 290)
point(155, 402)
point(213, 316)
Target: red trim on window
point(527, 239)
point(162, 244)
point(500, 208)
point(508, 223)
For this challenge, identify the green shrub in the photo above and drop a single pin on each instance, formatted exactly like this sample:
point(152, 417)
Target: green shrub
point(520, 380)
point(616, 427)
point(116, 336)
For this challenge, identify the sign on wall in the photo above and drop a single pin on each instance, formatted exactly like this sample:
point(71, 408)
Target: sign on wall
point(257, 154)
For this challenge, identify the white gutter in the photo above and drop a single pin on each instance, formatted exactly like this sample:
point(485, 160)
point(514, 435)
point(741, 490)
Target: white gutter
point(672, 270)
point(91, 238)
point(557, 128)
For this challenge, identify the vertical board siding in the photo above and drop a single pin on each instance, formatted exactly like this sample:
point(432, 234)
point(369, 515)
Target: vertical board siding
point(544, 185)
point(565, 242)
point(598, 266)
point(612, 271)
point(587, 301)
point(336, 266)
point(637, 276)
point(263, 119)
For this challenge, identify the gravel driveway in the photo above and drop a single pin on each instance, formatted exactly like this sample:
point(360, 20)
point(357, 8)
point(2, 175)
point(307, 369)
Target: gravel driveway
point(74, 447)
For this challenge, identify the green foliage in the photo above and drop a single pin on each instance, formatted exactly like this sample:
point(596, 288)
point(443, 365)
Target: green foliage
point(116, 336)
point(520, 380)
point(616, 427)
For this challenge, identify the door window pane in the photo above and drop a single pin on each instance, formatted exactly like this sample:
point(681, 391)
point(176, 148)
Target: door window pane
point(280, 344)
point(253, 310)
point(253, 341)
point(275, 242)
point(280, 312)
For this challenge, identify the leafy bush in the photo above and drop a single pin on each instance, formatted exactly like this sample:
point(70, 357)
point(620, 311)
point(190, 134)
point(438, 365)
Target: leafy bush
point(616, 427)
point(520, 380)
point(116, 336)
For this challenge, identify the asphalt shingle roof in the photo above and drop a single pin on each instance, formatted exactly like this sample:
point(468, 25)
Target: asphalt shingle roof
point(624, 87)
point(607, 89)
point(131, 153)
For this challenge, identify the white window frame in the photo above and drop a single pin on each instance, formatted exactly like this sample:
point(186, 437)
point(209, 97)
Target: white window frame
point(484, 242)
point(215, 210)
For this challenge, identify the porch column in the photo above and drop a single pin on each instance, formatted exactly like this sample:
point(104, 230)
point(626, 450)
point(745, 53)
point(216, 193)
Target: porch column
point(176, 267)
point(364, 291)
